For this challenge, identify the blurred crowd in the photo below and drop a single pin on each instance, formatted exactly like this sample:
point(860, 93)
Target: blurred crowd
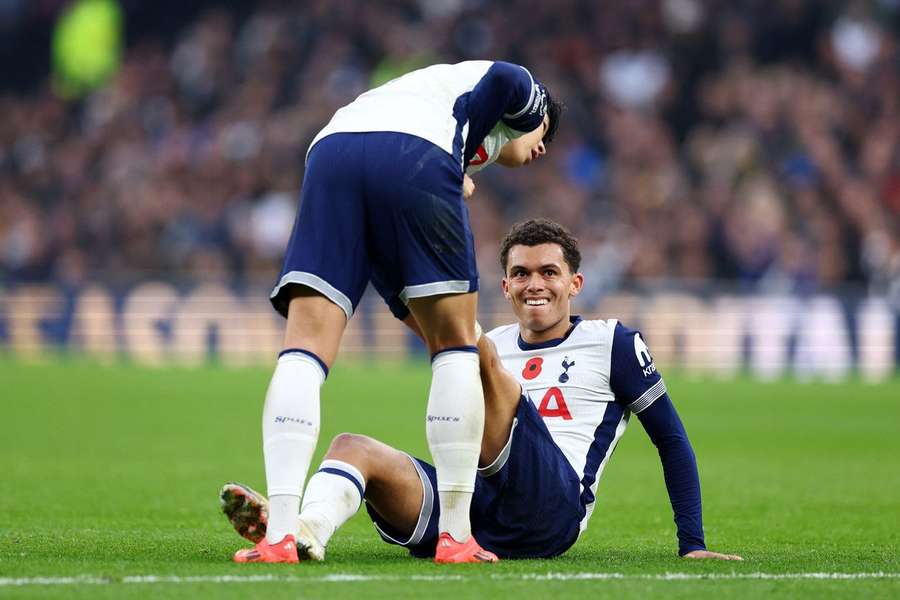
point(751, 141)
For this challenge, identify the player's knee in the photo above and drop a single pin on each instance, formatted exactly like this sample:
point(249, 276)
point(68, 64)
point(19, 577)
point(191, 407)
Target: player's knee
point(452, 334)
point(446, 321)
point(315, 324)
point(349, 447)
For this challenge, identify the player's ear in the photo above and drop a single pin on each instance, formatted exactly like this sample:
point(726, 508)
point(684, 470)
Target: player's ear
point(504, 285)
point(576, 284)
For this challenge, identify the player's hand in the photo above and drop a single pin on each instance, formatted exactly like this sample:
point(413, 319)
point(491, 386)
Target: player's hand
point(468, 187)
point(713, 555)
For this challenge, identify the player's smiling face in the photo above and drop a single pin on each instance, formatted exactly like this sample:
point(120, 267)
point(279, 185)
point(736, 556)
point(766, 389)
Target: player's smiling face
point(539, 285)
point(525, 148)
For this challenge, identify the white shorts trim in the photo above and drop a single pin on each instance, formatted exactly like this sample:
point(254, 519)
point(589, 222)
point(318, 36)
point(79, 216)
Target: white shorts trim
point(434, 289)
point(318, 284)
point(424, 513)
point(501, 459)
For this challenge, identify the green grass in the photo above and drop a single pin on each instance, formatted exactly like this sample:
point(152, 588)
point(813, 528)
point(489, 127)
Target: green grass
point(112, 472)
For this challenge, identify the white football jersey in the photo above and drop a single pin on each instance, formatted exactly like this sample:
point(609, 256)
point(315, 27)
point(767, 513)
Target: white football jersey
point(489, 149)
point(569, 383)
point(421, 103)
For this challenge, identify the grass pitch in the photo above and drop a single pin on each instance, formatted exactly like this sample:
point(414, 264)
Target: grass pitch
point(110, 479)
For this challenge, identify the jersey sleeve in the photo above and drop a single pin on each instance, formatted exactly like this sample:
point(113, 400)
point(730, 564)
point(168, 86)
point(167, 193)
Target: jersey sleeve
point(506, 93)
point(638, 385)
point(666, 431)
point(632, 375)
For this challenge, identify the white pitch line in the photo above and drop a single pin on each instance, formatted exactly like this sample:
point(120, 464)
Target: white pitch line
point(356, 578)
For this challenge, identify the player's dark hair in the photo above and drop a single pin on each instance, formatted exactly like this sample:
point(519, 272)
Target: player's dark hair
point(554, 111)
point(535, 232)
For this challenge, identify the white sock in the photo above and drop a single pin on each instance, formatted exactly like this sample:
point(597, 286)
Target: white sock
point(333, 495)
point(290, 432)
point(282, 504)
point(455, 424)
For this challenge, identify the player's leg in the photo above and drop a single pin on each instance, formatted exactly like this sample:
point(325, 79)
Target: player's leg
point(292, 407)
point(501, 391)
point(502, 394)
point(357, 467)
point(455, 413)
point(354, 467)
point(446, 321)
point(314, 323)
point(426, 258)
point(324, 275)
point(399, 494)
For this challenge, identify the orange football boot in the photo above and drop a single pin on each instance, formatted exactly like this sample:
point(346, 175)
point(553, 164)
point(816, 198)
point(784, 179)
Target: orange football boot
point(450, 551)
point(284, 551)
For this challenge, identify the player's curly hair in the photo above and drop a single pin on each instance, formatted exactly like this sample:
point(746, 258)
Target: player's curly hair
point(534, 232)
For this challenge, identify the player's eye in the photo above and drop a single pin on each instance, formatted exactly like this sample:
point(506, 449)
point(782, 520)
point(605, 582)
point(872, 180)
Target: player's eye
point(549, 273)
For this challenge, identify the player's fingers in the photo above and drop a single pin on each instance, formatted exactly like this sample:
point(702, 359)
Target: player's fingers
point(701, 554)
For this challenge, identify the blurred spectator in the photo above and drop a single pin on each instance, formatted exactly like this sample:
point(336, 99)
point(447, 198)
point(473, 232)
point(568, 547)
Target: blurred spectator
point(752, 142)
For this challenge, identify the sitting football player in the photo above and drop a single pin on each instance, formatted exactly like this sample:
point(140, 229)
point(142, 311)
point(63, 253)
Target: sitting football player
point(558, 390)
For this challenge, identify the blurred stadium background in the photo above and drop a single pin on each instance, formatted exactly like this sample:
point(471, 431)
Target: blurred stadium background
point(732, 169)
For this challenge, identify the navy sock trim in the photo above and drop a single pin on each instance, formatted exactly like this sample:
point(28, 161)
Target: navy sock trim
point(345, 475)
point(312, 355)
point(472, 349)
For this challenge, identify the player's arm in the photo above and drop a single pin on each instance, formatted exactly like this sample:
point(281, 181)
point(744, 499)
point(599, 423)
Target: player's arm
point(506, 93)
point(509, 93)
point(636, 383)
point(666, 431)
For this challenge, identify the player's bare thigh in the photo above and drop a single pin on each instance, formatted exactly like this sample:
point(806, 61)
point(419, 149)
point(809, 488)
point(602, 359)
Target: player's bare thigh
point(393, 485)
point(501, 401)
point(314, 323)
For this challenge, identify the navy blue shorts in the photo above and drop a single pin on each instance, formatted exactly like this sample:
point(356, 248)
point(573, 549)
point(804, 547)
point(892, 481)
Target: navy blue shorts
point(526, 505)
point(380, 206)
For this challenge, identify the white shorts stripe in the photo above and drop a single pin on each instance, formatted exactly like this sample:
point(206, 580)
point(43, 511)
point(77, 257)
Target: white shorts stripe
point(434, 289)
point(318, 284)
point(424, 513)
point(501, 459)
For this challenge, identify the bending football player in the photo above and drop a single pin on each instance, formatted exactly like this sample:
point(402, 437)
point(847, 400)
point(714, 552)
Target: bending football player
point(558, 390)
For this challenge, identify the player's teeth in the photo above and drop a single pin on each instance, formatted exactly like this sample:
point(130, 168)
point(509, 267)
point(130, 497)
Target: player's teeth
point(535, 302)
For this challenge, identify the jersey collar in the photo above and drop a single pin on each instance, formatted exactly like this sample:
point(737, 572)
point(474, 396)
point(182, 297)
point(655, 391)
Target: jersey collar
point(523, 345)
